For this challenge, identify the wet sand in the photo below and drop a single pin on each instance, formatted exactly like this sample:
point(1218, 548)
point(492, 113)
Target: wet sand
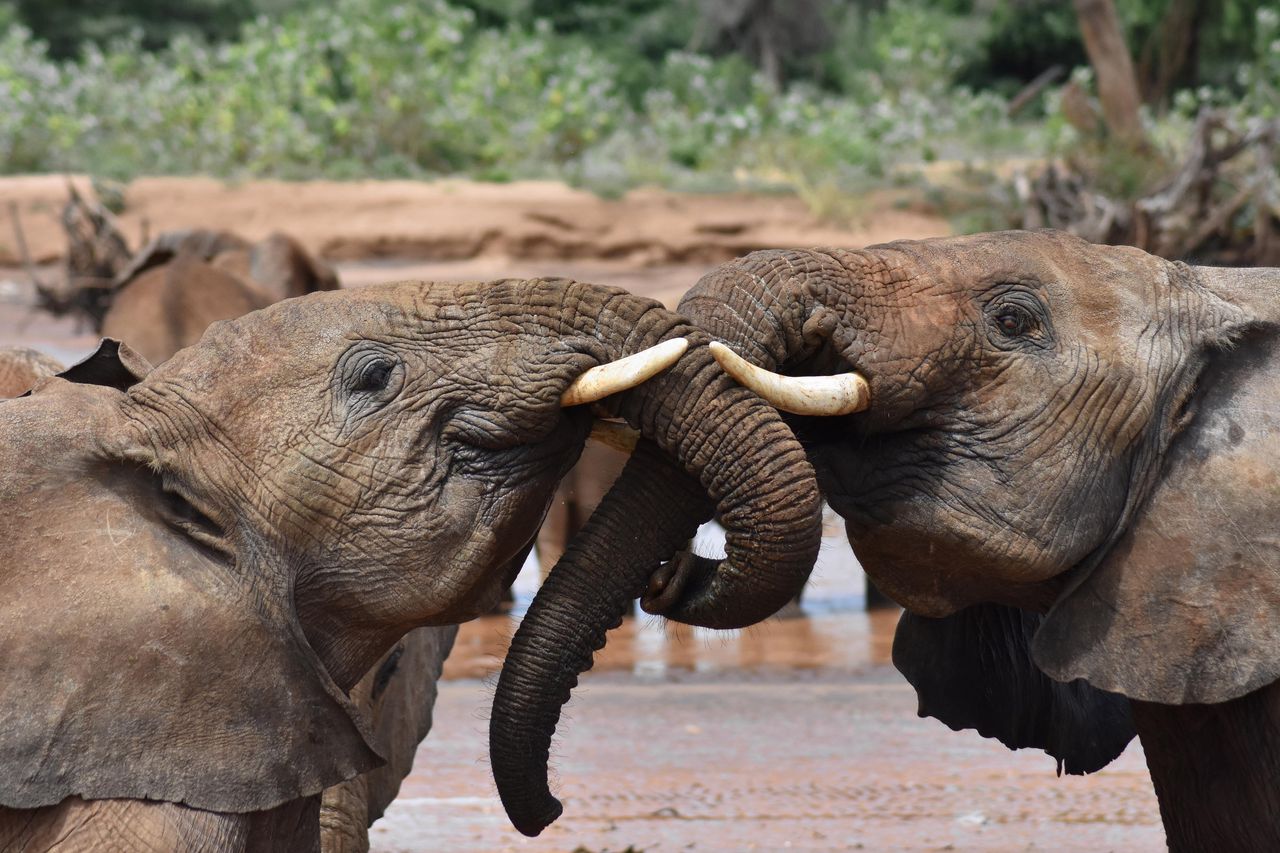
point(795, 734)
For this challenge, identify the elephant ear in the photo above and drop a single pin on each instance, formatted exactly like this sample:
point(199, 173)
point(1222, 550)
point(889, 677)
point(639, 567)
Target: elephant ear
point(973, 670)
point(112, 364)
point(135, 662)
point(1185, 607)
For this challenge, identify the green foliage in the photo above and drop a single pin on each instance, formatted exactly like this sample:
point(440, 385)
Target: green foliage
point(360, 88)
point(603, 94)
point(1025, 37)
point(355, 87)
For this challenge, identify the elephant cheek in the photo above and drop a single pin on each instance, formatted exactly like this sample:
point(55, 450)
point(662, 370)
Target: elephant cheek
point(933, 575)
point(920, 589)
point(496, 525)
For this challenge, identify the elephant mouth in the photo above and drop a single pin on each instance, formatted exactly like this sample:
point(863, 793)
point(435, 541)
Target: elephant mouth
point(178, 510)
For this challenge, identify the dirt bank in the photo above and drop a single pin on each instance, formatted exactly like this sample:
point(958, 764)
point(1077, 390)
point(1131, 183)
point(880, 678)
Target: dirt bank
point(457, 219)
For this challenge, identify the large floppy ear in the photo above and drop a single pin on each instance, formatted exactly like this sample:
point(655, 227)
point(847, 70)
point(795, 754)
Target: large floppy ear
point(113, 364)
point(135, 661)
point(973, 670)
point(1185, 607)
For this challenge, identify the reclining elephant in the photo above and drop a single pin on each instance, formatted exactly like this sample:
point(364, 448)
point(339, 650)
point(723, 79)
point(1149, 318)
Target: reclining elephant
point(183, 281)
point(1067, 474)
point(200, 560)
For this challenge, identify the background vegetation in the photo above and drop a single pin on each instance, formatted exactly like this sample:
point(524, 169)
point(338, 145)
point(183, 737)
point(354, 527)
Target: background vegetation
point(821, 97)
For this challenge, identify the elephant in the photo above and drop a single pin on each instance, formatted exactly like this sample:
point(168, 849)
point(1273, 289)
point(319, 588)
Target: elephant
point(1067, 475)
point(203, 558)
point(22, 367)
point(184, 280)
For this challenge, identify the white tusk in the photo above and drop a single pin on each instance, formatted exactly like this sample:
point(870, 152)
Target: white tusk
point(613, 434)
point(822, 396)
point(601, 381)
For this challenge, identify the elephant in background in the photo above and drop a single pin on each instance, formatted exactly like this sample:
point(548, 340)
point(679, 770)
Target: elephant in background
point(1067, 474)
point(204, 558)
point(22, 367)
point(183, 281)
point(576, 498)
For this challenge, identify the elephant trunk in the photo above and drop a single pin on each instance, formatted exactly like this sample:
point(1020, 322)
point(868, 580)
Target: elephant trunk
point(704, 436)
point(566, 624)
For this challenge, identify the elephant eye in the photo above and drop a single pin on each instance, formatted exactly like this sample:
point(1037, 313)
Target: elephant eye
point(1018, 318)
point(368, 376)
point(1014, 321)
point(374, 376)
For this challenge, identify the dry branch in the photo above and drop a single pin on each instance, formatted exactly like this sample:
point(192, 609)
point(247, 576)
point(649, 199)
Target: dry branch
point(1221, 204)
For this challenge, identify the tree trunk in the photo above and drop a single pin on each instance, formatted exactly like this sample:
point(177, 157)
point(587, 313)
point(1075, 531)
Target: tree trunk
point(1170, 52)
point(1109, 55)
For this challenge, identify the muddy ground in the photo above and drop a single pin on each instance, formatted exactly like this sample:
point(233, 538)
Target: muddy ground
point(796, 734)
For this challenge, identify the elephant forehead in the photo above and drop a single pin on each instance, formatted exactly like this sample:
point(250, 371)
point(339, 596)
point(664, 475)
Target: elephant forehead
point(1102, 292)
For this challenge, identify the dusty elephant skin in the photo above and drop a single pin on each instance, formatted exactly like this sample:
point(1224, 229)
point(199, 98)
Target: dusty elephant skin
point(202, 559)
point(396, 696)
point(163, 299)
point(1067, 474)
point(21, 368)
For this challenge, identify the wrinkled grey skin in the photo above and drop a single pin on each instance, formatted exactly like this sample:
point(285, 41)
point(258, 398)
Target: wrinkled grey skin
point(183, 281)
point(1068, 476)
point(201, 560)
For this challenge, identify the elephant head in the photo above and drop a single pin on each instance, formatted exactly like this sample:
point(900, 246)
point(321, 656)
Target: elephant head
point(1063, 474)
point(201, 558)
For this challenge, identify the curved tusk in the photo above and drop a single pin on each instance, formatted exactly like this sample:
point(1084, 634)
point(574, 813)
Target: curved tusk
point(822, 396)
point(601, 381)
point(613, 434)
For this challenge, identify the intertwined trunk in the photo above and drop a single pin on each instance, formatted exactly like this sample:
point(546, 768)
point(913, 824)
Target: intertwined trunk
point(709, 445)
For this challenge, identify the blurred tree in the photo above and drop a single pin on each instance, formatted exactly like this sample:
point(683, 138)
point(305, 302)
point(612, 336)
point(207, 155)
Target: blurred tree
point(634, 34)
point(1177, 43)
point(1113, 67)
point(1170, 52)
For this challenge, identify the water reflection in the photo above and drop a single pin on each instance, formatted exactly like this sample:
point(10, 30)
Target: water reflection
point(655, 650)
point(830, 630)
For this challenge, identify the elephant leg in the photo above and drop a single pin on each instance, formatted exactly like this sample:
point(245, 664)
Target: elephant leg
point(292, 826)
point(1215, 770)
point(396, 697)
